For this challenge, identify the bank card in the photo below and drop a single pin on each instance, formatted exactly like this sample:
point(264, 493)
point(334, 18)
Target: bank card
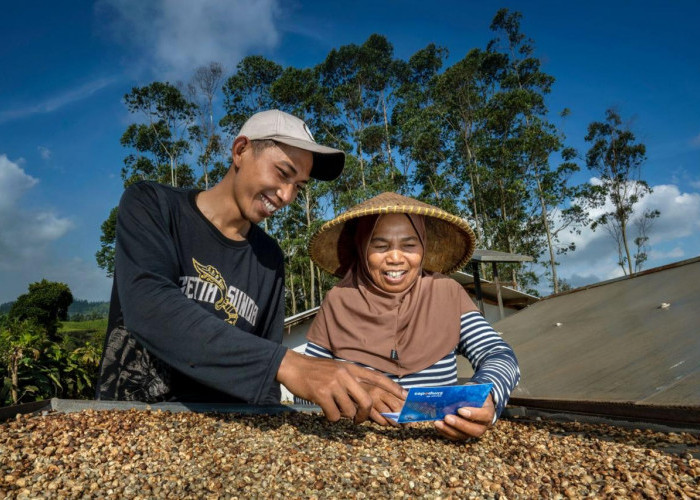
point(434, 403)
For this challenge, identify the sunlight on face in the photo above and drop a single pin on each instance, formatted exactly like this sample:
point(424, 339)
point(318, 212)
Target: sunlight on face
point(394, 254)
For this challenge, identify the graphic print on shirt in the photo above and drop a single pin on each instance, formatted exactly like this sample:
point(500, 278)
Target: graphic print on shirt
point(210, 284)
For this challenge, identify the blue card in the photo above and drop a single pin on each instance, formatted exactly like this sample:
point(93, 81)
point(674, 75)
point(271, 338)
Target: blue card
point(434, 403)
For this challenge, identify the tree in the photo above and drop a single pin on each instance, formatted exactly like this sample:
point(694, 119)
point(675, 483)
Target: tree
point(158, 150)
point(105, 255)
point(202, 91)
point(248, 91)
point(355, 81)
point(20, 340)
point(616, 158)
point(169, 115)
point(46, 303)
point(643, 225)
point(419, 121)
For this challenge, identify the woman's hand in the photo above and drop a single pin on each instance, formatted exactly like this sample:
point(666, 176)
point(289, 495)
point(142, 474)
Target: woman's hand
point(468, 423)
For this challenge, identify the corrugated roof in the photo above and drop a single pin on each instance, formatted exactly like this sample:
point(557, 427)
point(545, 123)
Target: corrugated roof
point(634, 339)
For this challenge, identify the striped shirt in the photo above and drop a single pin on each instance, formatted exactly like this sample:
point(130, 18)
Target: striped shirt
point(492, 359)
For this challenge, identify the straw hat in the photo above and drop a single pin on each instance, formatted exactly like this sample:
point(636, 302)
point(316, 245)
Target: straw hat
point(450, 240)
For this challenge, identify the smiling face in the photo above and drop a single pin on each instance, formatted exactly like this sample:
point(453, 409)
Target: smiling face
point(268, 179)
point(394, 253)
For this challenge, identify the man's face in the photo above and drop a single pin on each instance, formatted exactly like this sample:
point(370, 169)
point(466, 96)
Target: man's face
point(394, 254)
point(269, 179)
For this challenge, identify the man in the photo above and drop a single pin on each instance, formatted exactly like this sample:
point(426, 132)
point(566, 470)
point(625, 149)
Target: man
point(197, 306)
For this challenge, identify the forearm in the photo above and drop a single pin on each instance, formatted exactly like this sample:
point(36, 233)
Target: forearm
point(492, 359)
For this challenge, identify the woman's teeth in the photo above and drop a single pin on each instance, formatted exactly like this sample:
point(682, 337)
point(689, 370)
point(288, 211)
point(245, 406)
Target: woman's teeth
point(395, 274)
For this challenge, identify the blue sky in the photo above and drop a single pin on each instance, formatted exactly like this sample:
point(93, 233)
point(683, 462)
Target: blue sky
point(67, 66)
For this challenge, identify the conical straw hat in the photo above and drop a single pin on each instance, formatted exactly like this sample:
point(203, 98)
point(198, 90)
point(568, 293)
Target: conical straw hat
point(450, 240)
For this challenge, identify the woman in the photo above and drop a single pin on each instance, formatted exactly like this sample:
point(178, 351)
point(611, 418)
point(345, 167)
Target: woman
point(396, 312)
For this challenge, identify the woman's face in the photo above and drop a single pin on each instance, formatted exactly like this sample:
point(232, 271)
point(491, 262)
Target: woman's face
point(394, 254)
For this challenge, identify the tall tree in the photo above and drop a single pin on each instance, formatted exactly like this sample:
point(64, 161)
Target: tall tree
point(248, 91)
point(519, 144)
point(46, 303)
point(356, 81)
point(168, 115)
point(616, 158)
point(419, 128)
point(158, 149)
point(202, 90)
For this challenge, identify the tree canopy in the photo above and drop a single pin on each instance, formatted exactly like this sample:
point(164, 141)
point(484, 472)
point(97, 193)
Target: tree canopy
point(46, 303)
point(475, 138)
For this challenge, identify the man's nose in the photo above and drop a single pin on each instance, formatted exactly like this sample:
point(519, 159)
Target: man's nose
point(286, 193)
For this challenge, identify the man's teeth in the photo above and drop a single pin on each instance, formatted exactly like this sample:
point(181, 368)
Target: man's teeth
point(270, 207)
point(394, 274)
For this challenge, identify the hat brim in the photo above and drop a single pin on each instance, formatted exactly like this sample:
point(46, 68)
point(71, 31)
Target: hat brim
point(328, 163)
point(450, 240)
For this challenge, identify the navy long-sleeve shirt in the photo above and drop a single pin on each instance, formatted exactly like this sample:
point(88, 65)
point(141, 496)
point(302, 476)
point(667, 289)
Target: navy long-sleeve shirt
point(210, 308)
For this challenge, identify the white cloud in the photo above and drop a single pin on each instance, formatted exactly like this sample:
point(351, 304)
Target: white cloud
point(174, 37)
point(676, 253)
point(57, 101)
point(14, 182)
point(25, 235)
point(44, 152)
point(672, 237)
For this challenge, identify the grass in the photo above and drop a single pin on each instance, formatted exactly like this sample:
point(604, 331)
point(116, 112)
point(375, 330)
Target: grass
point(76, 333)
point(93, 325)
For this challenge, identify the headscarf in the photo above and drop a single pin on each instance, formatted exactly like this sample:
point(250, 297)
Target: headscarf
point(397, 333)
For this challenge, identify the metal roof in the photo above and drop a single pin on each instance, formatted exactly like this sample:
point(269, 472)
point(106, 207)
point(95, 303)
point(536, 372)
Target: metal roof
point(634, 339)
point(481, 255)
point(511, 297)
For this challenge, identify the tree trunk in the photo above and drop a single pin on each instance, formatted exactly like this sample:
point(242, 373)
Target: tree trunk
point(14, 374)
point(312, 276)
point(388, 138)
point(623, 231)
point(292, 293)
point(545, 222)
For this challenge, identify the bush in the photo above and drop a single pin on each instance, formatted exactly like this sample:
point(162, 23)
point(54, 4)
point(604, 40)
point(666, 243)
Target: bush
point(33, 367)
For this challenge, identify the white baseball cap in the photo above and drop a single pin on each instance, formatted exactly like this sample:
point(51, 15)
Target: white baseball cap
point(282, 127)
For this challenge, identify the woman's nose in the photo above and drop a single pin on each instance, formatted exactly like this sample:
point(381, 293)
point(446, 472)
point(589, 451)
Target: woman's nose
point(395, 255)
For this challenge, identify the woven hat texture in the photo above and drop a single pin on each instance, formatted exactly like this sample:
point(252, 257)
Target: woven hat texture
point(450, 239)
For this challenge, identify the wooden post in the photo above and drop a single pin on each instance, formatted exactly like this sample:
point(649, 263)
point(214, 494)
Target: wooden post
point(498, 289)
point(477, 287)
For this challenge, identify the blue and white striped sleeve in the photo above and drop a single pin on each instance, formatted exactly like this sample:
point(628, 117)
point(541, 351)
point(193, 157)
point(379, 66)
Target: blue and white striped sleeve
point(491, 357)
point(317, 351)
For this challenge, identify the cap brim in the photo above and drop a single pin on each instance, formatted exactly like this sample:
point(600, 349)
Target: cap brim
point(328, 162)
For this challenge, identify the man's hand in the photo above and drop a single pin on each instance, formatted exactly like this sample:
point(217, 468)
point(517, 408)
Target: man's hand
point(468, 423)
point(383, 402)
point(340, 389)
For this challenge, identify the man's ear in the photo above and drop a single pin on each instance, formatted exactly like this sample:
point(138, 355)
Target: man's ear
point(240, 144)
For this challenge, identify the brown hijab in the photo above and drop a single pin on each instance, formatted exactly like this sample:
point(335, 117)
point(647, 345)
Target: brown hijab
point(397, 333)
